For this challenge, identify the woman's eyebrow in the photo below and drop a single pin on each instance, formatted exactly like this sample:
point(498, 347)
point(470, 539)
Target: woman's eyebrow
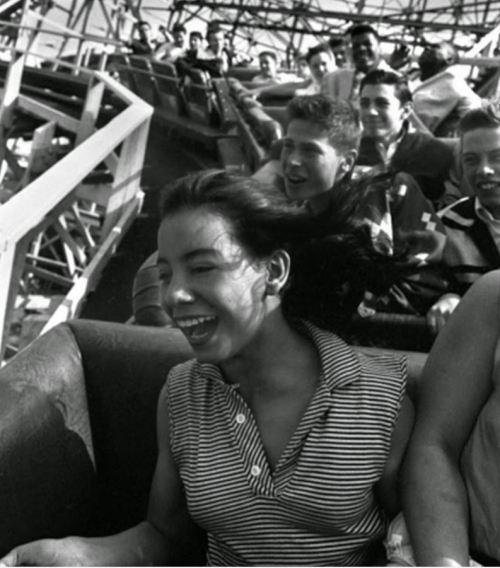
point(200, 252)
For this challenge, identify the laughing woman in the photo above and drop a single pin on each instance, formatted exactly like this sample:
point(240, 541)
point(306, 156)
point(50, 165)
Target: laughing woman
point(277, 439)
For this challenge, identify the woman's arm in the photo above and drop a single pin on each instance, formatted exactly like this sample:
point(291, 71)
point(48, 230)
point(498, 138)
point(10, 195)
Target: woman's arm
point(455, 385)
point(387, 489)
point(167, 537)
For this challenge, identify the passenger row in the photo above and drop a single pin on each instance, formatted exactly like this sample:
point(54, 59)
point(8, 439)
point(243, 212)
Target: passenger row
point(441, 253)
point(403, 179)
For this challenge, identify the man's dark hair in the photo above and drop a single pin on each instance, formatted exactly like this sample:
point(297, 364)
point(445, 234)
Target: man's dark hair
point(320, 48)
point(486, 116)
point(178, 27)
point(359, 29)
point(338, 118)
point(336, 41)
point(199, 35)
point(269, 53)
point(381, 77)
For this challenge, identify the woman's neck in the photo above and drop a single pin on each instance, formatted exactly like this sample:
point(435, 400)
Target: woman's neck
point(276, 359)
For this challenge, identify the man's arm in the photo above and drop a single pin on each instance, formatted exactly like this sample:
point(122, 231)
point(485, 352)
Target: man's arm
point(455, 385)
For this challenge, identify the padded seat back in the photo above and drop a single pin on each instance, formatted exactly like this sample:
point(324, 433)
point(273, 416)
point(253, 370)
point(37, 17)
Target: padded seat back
point(140, 68)
point(78, 429)
point(198, 94)
point(168, 85)
point(120, 63)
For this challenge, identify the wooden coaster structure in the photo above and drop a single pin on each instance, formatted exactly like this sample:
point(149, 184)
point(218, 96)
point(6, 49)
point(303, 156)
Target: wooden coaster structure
point(63, 222)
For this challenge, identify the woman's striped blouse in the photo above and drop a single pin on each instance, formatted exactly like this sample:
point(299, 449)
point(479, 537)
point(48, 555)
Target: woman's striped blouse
point(317, 507)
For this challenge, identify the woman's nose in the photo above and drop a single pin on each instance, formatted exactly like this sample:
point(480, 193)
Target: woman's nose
point(177, 292)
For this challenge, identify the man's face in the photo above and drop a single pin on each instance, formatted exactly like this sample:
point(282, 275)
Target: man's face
point(147, 32)
point(365, 51)
point(216, 41)
point(303, 69)
point(340, 55)
point(321, 64)
point(194, 42)
point(179, 38)
point(382, 114)
point(481, 166)
point(267, 66)
point(310, 164)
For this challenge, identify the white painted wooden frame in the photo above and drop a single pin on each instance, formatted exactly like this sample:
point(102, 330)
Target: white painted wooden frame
point(56, 191)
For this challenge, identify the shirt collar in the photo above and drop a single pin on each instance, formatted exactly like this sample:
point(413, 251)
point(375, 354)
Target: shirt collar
point(485, 215)
point(339, 363)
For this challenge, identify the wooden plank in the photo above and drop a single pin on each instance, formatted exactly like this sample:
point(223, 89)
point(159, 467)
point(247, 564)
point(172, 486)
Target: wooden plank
point(41, 150)
point(44, 111)
point(127, 177)
point(90, 111)
point(71, 306)
point(11, 268)
point(27, 209)
point(47, 274)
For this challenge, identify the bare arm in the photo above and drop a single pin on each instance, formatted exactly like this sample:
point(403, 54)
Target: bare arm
point(455, 385)
point(165, 538)
point(282, 90)
point(387, 489)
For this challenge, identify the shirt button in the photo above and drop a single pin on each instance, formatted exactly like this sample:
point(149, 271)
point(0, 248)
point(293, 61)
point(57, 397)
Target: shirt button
point(255, 471)
point(240, 418)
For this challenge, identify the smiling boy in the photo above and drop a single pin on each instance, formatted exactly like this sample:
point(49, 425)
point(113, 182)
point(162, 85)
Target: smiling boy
point(473, 223)
point(319, 152)
point(385, 107)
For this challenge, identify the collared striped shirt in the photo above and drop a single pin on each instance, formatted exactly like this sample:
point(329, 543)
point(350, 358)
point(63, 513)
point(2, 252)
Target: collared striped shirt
point(318, 506)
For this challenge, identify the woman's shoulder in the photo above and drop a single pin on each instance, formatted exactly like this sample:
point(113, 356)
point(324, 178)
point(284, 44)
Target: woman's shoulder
point(344, 363)
point(383, 365)
point(181, 372)
point(192, 376)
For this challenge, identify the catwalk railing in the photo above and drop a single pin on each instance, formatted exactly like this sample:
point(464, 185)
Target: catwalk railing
point(58, 231)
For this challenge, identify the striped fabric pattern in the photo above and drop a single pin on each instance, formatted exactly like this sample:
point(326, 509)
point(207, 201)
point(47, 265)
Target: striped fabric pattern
point(317, 507)
point(470, 249)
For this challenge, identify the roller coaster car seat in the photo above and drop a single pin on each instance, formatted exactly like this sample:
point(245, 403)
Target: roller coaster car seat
point(200, 97)
point(140, 67)
point(78, 429)
point(167, 83)
point(119, 64)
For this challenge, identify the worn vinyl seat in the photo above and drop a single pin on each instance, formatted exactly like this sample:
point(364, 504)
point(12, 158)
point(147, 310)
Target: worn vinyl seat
point(78, 430)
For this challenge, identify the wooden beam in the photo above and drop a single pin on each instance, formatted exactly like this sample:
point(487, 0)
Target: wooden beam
point(71, 305)
point(28, 208)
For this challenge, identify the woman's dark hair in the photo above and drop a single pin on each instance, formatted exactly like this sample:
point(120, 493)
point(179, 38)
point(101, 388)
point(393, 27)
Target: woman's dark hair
point(333, 260)
point(262, 218)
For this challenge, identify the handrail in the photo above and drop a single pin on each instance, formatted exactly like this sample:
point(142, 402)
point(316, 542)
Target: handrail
point(54, 199)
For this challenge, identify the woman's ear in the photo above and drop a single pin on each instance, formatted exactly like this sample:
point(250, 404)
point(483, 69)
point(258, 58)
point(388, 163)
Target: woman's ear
point(278, 271)
point(346, 164)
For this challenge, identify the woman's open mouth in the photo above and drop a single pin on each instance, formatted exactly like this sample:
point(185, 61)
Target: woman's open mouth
point(197, 329)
